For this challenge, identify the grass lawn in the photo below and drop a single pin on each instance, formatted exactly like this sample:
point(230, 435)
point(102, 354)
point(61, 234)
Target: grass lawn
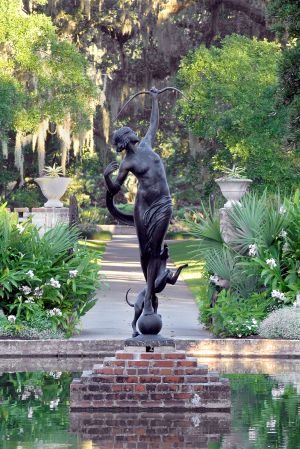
point(181, 252)
point(93, 245)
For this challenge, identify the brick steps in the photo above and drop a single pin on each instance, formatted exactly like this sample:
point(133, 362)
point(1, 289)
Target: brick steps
point(150, 381)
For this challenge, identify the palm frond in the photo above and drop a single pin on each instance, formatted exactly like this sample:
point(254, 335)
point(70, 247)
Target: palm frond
point(221, 263)
point(247, 219)
point(57, 241)
point(206, 229)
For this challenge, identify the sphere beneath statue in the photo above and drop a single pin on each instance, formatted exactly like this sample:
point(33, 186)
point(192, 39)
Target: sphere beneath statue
point(150, 324)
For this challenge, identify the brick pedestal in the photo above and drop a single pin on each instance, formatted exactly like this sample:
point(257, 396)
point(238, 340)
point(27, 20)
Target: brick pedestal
point(156, 382)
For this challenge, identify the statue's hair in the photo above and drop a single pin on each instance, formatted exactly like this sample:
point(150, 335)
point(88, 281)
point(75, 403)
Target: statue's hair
point(121, 137)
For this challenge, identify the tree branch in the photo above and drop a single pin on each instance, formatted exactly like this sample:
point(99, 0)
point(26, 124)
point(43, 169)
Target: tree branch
point(254, 13)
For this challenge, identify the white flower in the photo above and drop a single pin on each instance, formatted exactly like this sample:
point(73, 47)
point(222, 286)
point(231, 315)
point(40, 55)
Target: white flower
point(54, 283)
point(271, 262)
point(282, 210)
point(254, 321)
point(278, 295)
point(54, 404)
point(55, 374)
point(298, 272)
point(29, 301)
point(25, 289)
point(239, 335)
point(214, 279)
point(55, 312)
point(253, 250)
point(11, 318)
point(30, 273)
point(285, 247)
point(283, 234)
point(20, 228)
point(73, 273)
point(30, 412)
point(38, 292)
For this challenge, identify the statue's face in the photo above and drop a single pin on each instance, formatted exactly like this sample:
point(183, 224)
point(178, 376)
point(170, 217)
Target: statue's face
point(133, 137)
point(130, 138)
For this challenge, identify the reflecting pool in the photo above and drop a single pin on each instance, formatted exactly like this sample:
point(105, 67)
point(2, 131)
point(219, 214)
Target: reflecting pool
point(34, 412)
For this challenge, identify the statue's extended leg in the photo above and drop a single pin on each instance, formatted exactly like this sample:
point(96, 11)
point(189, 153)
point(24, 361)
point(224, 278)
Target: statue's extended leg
point(172, 278)
point(153, 267)
point(155, 303)
point(138, 308)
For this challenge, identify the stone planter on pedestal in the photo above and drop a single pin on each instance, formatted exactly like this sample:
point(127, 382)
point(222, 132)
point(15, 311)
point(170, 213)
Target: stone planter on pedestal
point(233, 189)
point(53, 212)
point(53, 189)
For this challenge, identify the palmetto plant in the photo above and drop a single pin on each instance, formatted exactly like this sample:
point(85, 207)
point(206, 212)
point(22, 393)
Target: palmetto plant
point(53, 172)
point(205, 227)
point(256, 221)
point(234, 172)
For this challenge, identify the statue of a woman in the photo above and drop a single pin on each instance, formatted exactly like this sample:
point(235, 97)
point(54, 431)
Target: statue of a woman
point(153, 205)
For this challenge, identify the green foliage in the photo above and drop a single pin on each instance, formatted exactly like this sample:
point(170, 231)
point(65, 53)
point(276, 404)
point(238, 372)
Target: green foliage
point(266, 406)
point(34, 409)
point(258, 270)
point(220, 83)
point(52, 273)
point(236, 317)
point(284, 17)
point(41, 76)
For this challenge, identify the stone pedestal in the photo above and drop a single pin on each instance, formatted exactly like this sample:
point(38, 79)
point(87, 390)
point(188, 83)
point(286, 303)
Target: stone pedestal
point(226, 227)
point(152, 382)
point(46, 218)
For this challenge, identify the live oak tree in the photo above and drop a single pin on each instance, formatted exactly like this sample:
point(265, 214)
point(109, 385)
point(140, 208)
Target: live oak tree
point(44, 86)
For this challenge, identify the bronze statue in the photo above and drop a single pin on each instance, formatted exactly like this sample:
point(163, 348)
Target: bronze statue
point(152, 210)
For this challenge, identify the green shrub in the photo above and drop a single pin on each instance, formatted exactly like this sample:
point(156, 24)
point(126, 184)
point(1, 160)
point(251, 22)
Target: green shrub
point(260, 264)
point(29, 196)
point(52, 273)
point(95, 215)
point(282, 323)
point(94, 232)
point(233, 316)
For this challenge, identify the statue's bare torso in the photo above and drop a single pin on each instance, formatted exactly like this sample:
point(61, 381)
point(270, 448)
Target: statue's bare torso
point(153, 207)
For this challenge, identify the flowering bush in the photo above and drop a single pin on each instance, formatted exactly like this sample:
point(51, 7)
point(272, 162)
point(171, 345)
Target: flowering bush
point(282, 323)
point(261, 263)
point(51, 275)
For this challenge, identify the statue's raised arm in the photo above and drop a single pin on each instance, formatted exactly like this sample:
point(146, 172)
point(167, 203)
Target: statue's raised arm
point(154, 118)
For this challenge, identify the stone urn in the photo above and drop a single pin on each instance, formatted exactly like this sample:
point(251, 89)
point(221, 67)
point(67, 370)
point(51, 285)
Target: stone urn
point(233, 189)
point(53, 189)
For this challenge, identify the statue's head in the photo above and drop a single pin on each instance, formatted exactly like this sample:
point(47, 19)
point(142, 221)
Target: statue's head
point(123, 136)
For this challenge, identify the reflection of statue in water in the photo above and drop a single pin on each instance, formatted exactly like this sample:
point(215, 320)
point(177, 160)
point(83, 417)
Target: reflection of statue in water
point(153, 204)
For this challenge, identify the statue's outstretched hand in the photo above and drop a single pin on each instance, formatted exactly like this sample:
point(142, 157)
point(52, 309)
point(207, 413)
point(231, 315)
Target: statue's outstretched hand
point(113, 166)
point(154, 92)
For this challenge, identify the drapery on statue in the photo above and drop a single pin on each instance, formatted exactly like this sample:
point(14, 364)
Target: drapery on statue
point(152, 212)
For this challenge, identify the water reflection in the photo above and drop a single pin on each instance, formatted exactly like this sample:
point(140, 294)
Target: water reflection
point(151, 430)
point(34, 414)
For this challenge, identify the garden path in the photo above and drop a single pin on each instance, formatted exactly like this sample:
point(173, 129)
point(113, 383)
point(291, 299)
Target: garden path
point(111, 317)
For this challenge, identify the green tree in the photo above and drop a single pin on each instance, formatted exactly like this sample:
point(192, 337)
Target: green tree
point(231, 91)
point(43, 84)
point(284, 16)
